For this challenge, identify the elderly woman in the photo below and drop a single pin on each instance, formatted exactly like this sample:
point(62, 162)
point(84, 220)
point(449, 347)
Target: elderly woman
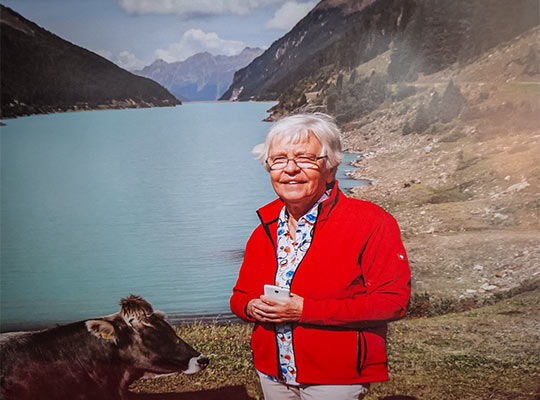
point(341, 258)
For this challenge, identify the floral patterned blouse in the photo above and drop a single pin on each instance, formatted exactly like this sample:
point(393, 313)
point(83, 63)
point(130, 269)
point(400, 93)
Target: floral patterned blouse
point(290, 253)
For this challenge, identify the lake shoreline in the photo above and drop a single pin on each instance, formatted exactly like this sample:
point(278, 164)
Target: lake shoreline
point(47, 110)
point(175, 319)
point(59, 109)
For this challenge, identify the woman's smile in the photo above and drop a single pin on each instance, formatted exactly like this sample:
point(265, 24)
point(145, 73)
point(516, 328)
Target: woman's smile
point(299, 188)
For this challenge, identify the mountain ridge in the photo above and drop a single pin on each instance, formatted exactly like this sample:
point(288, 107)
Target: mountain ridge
point(42, 73)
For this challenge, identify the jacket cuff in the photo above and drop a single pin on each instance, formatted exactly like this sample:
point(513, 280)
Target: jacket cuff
point(247, 316)
point(238, 304)
point(308, 311)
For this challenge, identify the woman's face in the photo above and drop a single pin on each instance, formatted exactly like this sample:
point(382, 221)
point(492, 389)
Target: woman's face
point(299, 188)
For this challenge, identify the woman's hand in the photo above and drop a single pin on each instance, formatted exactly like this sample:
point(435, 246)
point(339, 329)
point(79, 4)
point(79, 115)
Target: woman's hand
point(267, 309)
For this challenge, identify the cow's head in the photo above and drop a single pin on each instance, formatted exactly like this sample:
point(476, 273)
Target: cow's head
point(145, 340)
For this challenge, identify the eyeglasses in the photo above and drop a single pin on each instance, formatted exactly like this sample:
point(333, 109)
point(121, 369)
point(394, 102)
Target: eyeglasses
point(303, 161)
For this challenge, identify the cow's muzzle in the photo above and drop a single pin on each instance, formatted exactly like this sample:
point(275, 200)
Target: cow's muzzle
point(197, 364)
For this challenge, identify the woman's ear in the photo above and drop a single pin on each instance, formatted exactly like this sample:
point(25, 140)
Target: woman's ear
point(331, 176)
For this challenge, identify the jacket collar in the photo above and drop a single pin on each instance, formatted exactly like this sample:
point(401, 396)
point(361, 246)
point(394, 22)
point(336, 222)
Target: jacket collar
point(269, 213)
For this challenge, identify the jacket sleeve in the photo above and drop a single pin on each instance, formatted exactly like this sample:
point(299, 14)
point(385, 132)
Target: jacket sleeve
point(243, 290)
point(386, 274)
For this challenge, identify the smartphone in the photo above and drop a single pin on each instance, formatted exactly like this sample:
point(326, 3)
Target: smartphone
point(276, 292)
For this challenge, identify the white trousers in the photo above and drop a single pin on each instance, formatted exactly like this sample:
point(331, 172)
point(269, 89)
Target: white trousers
point(280, 391)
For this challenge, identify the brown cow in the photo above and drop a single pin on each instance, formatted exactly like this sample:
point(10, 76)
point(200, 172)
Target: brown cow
point(94, 359)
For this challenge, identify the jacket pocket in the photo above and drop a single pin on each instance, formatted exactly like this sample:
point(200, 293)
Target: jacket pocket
point(362, 352)
point(371, 347)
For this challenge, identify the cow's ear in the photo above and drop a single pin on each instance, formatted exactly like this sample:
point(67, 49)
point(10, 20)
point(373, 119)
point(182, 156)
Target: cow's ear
point(101, 329)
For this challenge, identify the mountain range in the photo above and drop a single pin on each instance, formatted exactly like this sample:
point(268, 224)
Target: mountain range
point(202, 76)
point(41, 72)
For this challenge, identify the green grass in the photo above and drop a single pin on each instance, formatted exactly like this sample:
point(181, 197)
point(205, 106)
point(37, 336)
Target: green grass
point(492, 352)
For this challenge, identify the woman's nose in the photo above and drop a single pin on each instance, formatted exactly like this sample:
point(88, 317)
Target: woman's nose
point(291, 166)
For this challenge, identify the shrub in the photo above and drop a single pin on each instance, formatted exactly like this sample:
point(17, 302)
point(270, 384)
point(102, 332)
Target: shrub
point(403, 91)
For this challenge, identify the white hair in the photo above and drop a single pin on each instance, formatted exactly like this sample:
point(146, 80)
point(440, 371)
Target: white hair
point(296, 128)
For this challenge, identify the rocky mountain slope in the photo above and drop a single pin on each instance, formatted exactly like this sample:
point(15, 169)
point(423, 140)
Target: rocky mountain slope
point(455, 158)
point(416, 36)
point(201, 76)
point(40, 73)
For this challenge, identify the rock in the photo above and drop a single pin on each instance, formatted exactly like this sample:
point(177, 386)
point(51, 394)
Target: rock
point(478, 267)
point(517, 187)
point(488, 287)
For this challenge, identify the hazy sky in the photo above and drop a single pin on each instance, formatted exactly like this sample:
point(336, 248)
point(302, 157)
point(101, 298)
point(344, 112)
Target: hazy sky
point(133, 33)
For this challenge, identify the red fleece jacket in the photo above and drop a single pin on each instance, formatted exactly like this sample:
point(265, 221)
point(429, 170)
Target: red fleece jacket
point(354, 279)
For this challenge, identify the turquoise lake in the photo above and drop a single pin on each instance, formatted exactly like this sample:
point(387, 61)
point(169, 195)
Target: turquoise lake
point(156, 202)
